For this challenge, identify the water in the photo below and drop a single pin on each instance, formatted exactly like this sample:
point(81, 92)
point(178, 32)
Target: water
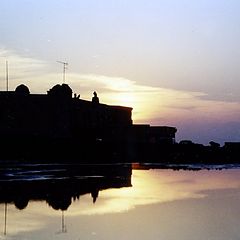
point(149, 204)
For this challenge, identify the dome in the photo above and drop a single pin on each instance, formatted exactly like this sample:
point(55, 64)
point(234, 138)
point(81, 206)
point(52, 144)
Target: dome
point(60, 90)
point(22, 90)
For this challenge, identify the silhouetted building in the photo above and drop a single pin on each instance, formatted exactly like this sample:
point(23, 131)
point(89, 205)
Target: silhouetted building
point(56, 120)
point(55, 114)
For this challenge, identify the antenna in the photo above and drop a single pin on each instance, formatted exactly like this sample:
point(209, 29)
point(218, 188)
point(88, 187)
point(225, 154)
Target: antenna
point(65, 64)
point(7, 75)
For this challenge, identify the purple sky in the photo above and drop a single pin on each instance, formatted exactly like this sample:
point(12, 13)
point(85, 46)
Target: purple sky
point(176, 62)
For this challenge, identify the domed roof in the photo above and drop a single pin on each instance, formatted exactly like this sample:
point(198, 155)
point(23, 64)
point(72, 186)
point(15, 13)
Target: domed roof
point(60, 90)
point(22, 90)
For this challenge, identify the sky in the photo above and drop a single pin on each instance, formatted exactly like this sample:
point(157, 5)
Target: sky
point(176, 62)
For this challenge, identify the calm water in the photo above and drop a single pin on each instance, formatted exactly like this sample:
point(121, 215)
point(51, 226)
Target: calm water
point(156, 204)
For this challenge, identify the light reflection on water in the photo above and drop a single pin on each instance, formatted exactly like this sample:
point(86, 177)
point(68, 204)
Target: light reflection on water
point(161, 204)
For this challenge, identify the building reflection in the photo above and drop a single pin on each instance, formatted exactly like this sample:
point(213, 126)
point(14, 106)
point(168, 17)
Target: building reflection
point(67, 185)
point(5, 219)
point(60, 185)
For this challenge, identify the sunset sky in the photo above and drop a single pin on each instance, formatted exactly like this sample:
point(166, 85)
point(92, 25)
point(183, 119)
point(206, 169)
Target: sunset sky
point(176, 62)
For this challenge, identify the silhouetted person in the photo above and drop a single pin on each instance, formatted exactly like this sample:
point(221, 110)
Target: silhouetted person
point(95, 98)
point(76, 96)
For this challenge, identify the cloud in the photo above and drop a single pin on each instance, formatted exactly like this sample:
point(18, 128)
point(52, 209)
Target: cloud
point(230, 96)
point(155, 105)
point(22, 66)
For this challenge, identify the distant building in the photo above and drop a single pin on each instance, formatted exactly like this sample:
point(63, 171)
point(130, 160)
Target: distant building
point(144, 133)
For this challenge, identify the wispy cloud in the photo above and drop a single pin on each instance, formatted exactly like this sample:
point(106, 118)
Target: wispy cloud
point(150, 104)
point(22, 66)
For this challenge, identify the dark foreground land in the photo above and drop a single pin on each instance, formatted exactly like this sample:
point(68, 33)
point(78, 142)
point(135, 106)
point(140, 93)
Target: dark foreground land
point(89, 151)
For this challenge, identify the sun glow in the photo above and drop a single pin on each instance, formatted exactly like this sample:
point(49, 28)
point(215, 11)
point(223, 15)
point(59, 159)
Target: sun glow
point(128, 99)
point(150, 187)
point(151, 104)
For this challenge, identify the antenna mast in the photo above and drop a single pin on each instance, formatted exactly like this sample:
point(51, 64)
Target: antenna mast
point(7, 75)
point(65, 64)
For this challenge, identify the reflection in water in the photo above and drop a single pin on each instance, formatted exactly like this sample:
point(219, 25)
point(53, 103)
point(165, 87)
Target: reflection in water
point(65, 184)
point(64, 227)
point(5, 219)
point(162, 204)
